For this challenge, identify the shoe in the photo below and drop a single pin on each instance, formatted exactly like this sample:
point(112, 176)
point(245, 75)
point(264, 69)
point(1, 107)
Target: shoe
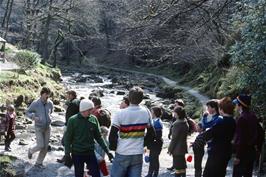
point(170, 169)
point(155, 174)
point(148, 175)
point(40, 166)
point(29, 154)
point(7, 149)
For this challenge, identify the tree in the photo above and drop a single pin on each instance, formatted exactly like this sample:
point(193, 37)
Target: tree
point(249, 52)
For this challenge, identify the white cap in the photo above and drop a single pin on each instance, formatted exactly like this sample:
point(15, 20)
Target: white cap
point(85, 105)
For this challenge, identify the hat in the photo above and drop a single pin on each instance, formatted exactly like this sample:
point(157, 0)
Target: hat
point(85, 105)
point(243, 100)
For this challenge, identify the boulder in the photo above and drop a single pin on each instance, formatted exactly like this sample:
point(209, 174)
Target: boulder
point(20, 126)
point(22, 142)
point(120, 93)
point(58, 108)
point(18, 102)
point(58, 123)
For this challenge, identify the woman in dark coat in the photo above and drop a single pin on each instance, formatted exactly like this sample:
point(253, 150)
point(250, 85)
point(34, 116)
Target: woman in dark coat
point(178, 144)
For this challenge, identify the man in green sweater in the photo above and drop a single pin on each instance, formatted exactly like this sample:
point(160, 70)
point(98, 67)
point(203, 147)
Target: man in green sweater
point(82, 131)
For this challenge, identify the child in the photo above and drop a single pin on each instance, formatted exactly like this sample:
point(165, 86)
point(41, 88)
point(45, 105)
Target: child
point(156, 146)
point(100, 154)
point(209, 119)
point(10, 119)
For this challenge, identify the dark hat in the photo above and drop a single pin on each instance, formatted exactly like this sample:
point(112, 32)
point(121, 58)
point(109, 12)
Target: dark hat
point(243, 100)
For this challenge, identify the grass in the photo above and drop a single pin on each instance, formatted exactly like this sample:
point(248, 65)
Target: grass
point(28, 83)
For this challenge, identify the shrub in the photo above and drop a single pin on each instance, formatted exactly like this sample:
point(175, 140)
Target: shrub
point(27, 59)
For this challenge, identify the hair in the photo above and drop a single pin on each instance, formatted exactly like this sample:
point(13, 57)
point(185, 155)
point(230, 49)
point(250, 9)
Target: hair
point(226, 105)
point(157, 111)
point(73, 93)
point(126, 100)
point(180, 112)
point(213, 104)
point(81, 98)
point(45, 90)
point(10, 108)
point(180, 102)
point(135, 95)
point(96, 101)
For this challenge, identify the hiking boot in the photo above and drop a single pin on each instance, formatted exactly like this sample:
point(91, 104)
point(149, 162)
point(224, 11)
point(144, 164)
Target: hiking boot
point(29, 154)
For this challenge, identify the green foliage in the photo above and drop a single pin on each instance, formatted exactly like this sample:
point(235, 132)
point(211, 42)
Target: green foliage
point(249, 53)
point(27, 60)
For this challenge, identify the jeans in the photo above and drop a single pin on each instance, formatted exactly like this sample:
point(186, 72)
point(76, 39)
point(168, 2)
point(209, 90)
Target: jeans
point(42, 140)
point(154, 162)
point(130, 165)
point(90, 160)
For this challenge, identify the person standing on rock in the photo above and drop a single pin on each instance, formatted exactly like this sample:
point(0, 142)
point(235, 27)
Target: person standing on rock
point(82, 131)
point(127, 136)
point(10, 121)
point(72, 108)
point(40, 111)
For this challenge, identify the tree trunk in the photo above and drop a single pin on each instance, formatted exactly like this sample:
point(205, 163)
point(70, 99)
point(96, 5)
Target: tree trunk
point(44, 42)
point(8, 16)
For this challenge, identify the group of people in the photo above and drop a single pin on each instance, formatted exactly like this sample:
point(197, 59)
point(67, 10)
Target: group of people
point(134, 127)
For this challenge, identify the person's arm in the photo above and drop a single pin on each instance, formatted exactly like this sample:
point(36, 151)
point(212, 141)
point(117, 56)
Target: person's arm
point(30, 112)
point(113, 138)
point(175, 137)
point(240, 130)
point(68, 137)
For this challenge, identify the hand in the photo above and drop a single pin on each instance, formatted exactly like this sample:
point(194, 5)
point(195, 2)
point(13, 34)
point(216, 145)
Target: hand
point(68, 161)
point(236, 161)
point(37, 119)
point(205, 113)
point(110, 157)
point(5, 133)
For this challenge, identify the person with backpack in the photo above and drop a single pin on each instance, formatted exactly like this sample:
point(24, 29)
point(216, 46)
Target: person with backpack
point(245, 138)
point(178, 145)
point(127, 136)
point(72, 108)
point(10, 124)
point(156, 146)
point(40, 111)
point(209, 119)
point(192, 126)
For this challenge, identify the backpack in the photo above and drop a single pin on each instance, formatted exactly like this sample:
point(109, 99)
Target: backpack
point(192, 126)
point(104, 118)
